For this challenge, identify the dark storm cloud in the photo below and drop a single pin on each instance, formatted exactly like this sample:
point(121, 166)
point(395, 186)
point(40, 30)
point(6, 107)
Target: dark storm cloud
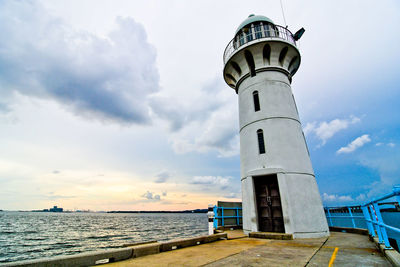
point(108, 77)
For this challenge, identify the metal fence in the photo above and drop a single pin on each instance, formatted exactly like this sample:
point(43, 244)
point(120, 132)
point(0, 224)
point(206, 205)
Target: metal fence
point(221, 217)
point(268, 32)
point(367, 216)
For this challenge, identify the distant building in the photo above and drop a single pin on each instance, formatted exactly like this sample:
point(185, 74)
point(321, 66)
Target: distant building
point(56, 209)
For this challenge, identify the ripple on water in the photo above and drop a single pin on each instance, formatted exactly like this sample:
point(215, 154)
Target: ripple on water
point(31, 235)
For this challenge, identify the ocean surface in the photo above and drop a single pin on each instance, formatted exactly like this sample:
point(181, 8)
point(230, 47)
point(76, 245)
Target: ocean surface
point(34, 235)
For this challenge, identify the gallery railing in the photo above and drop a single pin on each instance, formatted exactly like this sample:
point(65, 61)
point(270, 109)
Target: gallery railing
point(257, 34)
point(367, 216)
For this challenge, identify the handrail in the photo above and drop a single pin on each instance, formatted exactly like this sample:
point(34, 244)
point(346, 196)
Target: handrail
point(371, 215)
point(257, 34)
point(223, 217)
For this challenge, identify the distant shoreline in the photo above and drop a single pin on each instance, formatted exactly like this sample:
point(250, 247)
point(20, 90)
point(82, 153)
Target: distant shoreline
point(160, 211)
point(118, 211)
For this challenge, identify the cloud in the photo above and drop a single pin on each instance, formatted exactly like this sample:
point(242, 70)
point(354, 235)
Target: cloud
point(211, 180)
point(57, 197)
point(203, 120)
point(151, 196)
point(107, 78)
point(326, 130)
point(388, 144)
point(391, 144)
point(162, 177)
point(336, 198)
point(388, 169)
point(232, 195)
point(355, 144)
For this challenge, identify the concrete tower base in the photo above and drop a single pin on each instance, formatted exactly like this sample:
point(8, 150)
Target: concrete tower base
point(302, 210)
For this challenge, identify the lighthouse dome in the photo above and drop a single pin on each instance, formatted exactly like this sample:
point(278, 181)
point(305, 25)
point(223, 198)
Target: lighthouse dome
point(253, 18)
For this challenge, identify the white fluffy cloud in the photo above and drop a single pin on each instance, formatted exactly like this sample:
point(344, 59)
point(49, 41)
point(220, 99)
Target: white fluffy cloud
point(345, 199)
point(336, 198)
point(105, 77)
point(355, 144)
point(326, 130)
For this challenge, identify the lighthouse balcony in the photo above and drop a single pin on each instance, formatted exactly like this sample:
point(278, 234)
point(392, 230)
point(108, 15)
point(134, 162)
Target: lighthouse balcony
point(257, 32)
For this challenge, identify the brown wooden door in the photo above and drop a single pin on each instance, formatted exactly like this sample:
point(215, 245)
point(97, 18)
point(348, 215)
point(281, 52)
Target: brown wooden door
point(269, 206)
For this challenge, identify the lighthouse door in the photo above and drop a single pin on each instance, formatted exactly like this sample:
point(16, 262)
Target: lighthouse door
point(269, 206)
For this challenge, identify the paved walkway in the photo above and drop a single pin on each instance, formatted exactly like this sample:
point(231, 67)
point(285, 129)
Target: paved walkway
point(351, 250)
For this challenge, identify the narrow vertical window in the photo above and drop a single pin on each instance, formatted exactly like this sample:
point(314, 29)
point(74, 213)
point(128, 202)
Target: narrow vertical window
point(267, 32)
point(256, 101)
point(241, 38)
point(261, 145)
point(249, 34)
point(257, 30)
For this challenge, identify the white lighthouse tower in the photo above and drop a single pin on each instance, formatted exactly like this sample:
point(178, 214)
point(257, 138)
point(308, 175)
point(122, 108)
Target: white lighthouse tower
point(279, 189)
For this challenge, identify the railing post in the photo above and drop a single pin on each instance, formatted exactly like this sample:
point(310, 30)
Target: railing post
point(367, 217)
point(329, 217)
point(237, 216)
point(351, 216)
point(382, 228)
point(215, 217)
point(210, 215)
point(222, 216)
point(253, 32)
point(376, 223)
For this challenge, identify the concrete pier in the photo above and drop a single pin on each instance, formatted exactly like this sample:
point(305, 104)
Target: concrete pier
point(340, 249)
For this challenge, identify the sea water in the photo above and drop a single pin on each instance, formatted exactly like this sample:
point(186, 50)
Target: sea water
point(34, 235)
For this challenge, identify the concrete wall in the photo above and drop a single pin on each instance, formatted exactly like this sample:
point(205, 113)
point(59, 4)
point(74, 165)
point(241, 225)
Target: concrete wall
point(114, 255)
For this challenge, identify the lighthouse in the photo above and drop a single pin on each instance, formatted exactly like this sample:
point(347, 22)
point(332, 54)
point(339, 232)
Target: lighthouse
point(279, 189)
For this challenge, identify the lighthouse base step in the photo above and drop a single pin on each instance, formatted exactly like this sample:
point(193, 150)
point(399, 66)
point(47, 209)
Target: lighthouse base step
point(270, 235)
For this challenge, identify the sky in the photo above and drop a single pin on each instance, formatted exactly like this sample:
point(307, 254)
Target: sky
point(121, 105)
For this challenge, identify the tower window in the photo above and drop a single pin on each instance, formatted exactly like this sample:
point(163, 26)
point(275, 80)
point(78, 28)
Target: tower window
point(257, 30)
point(267, 32)
point(241, 38)
point(261, 144)
point(249, 33)
point(256, 101)
point(250, 62)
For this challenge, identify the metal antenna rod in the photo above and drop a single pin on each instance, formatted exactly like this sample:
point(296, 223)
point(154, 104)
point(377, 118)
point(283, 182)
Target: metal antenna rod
point(283, 14)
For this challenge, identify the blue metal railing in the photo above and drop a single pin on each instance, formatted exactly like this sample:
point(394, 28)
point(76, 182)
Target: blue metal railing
point(237, 215)
point(371, 217)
